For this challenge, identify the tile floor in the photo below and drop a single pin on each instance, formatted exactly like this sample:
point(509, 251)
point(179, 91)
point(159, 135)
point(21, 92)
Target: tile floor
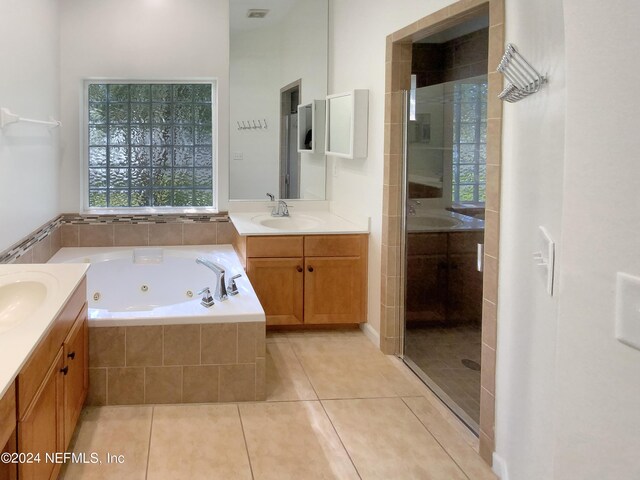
point(336, 408)
point(439, 353)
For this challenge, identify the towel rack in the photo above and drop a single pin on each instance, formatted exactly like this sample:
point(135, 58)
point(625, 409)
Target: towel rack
point(524, 80)
point(252, 125)
point(7, 118)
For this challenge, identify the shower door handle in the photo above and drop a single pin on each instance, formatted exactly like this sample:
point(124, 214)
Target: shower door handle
point(480, 258)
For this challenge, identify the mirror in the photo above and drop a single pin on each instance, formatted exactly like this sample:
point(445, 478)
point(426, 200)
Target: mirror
point(339, 111)
point(278, 60)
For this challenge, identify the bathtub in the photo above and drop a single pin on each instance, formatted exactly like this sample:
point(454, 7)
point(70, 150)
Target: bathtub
point(154, 286)
point(150, 339)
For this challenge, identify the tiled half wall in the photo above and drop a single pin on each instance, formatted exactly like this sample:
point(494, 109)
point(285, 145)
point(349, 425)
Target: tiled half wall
point(73, 230)
point(223, 362)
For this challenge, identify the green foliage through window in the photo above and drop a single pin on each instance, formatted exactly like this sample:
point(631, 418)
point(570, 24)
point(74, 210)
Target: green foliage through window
point(150, 145)
point(469, 142)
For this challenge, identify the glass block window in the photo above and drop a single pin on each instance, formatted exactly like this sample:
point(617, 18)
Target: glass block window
point(150, 144)
point(469, 141)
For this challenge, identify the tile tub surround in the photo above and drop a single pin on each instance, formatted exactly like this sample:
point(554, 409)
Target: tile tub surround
point(76, 230)
point(200, 363)
point(398, 71)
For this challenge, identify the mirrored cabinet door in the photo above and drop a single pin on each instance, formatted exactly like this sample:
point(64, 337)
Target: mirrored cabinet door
point(347, 124)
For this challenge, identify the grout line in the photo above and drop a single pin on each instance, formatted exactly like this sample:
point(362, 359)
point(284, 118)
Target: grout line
point(340, 439)
point(244, 436)
point(146, 473)
point(435, 438)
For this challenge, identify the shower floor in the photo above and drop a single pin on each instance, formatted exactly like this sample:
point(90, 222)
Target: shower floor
point(439, 352)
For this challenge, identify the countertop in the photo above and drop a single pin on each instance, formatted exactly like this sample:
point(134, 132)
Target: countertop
point(17, 343)
point(322, 221)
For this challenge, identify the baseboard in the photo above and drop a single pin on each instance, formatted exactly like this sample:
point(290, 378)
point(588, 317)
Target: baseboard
point(500, 467)
point(371, 334)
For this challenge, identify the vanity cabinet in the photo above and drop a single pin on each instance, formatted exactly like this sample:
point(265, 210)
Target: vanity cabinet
point(52, 387)
point(309, 280)
point(8, 432)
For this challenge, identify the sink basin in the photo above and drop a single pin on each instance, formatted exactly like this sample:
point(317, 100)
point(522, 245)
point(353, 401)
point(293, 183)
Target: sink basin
point(293, 222)
point(433, 221)
point(21, 295)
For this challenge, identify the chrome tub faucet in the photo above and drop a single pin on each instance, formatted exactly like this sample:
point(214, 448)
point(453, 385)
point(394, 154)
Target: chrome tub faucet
point(220, 292)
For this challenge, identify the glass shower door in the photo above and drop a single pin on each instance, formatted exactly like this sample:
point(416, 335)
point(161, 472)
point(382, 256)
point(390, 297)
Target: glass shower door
point(444, 193)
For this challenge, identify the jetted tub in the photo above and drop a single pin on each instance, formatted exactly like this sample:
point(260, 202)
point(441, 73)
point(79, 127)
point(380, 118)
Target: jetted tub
point(159, 285)
point(150, 339)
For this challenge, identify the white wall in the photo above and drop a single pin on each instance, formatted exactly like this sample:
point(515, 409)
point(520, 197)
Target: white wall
point(532, 182)
point(154, 39)
point(598, 414)
point(29, 155)
point(357, 42)
point(262, 61)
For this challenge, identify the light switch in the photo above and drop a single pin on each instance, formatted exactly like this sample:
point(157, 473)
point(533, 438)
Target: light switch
point(628, 309)
point(238, 156)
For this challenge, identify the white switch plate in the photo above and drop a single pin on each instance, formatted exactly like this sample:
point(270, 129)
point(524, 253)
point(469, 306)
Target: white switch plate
point(628, 309)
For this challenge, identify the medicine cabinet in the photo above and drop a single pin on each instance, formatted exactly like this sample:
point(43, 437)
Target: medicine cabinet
point(347, 124)
point(311, 124)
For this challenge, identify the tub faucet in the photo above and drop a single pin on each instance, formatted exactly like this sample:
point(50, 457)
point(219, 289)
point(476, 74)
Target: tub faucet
point(220, 292)
point(280, 210)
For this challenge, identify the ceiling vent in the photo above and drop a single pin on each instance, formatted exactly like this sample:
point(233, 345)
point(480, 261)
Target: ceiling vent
point(257, 13)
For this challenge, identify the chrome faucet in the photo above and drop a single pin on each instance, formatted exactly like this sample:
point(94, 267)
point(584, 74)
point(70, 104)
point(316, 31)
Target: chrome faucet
point(220, 292)
point(207, 299)
point(271, 197)
point(280, 210)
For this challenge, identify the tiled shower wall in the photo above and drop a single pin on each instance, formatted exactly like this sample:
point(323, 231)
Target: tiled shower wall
point(73, 230)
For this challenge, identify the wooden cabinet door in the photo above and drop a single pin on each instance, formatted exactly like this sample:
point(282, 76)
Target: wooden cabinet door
point(41, 429)
point(278, 282)
point(76, 381)
point(334, 290)
point(9, 471)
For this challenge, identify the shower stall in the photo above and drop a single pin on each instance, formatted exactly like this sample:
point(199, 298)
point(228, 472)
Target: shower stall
point(443, 234)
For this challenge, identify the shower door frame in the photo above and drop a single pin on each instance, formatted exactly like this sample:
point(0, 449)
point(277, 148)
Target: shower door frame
point(398, 75)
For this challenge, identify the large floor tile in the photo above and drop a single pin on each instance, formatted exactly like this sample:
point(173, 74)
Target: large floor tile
point(194, 442)
point(286, 379)
point(450, 439)
point(385, 440)
point(293, 440)
point(349, 367)
point(115, 430)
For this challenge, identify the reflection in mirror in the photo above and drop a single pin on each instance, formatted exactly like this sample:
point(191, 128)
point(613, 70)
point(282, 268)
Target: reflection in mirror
point(446, 141)
point(277, 62)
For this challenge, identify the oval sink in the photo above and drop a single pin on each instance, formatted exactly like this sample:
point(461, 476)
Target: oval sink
point(433, 221)
point(19, 299)
point(294, 222)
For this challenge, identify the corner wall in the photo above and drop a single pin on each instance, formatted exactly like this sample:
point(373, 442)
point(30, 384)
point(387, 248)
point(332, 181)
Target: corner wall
point(532, 195)
point(152, 40)
point(29, 154)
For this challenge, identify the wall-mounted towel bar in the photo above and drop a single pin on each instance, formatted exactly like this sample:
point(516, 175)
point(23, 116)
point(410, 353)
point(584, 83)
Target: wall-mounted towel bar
point(252, 124)
point(523, 78)
point(7, 118)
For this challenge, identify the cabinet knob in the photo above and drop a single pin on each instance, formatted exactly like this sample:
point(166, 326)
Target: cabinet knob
point(65, 370)
point(310, 268)
point(299, 268)
point(71, 355)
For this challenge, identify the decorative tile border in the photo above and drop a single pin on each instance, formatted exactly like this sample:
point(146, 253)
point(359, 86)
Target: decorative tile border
point(26, 244)
point(47, 235)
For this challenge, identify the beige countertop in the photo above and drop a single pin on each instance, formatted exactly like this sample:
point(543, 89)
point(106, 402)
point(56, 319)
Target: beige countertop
point(306, 218)
point(19, 341)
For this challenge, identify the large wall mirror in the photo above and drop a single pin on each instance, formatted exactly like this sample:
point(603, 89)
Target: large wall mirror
point(278, 60)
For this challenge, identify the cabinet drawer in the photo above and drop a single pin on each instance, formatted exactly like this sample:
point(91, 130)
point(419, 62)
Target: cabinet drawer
point(334, 245)
point(7, 414)
point(36, 368)
point(283, 246)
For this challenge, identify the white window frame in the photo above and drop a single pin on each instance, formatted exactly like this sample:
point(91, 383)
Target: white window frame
point(84, 147)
